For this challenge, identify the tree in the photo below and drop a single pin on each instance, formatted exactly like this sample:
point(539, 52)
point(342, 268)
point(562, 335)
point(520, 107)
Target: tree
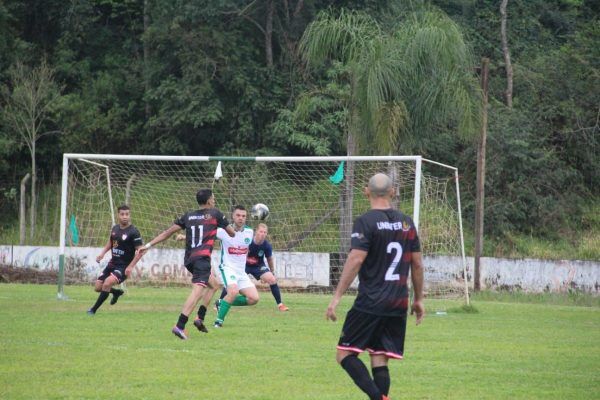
point(29, 104)
point(506, 53)
point(402, 85)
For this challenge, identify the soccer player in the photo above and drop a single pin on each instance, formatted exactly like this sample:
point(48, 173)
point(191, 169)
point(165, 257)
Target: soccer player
point(260, 248)
point(200, 232)
point(124, 240)
point(231, 272)
point(384, 246)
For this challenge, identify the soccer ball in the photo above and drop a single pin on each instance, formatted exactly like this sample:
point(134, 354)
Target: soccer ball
point(259, 211)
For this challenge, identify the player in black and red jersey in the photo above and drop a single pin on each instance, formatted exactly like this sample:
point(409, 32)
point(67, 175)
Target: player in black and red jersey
point(124, 240)
point(200, 231)
point(384, 247)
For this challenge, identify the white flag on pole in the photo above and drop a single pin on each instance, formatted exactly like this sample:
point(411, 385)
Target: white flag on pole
point(218, 172)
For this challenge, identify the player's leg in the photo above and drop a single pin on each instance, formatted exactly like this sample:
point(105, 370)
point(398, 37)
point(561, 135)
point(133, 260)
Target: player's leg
point(249, 294)
point(200, 275)
point(107, 283)
point(209, 291)
point(381, 373)
point(388, 344)
point(357, 332)
point(98, 288)
point(268, 278)
point(227, 301)
point(118, 273)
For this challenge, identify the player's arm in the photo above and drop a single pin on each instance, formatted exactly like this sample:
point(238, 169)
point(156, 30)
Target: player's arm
point(104, 250)
point(223, 223)
point(164, 235)
point(230, 231)
point(271, 263)
point(352, 265)
point(133, 262)
point(416, 272)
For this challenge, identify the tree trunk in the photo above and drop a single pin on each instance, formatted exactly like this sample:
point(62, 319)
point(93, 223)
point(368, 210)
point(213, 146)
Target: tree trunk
point(479, 204)
point(269, 33)
point(32, 209)
point(505, 51)
point(128, 189)
point(23, 210)
point(146, 59)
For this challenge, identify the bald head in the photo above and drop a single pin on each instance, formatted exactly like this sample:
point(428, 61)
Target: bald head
point(380, 185)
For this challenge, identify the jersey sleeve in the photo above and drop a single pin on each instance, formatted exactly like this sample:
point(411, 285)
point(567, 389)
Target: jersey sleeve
point(181, 221)
point(361, 235)
point(268, 249)
point(415, 243)
point(222, 221)
point(222, 234)
point(137, 238)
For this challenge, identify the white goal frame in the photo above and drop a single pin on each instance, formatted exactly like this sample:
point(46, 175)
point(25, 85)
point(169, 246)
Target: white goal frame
point(417, 160)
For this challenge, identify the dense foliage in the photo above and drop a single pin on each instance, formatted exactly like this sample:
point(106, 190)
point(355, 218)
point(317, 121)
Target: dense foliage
point(225, 77)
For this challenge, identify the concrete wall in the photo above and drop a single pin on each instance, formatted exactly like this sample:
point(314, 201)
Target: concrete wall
point(313, 269)
point(162, 265)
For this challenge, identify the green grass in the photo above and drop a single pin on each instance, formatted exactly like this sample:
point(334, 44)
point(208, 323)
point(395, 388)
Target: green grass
point(51, 349)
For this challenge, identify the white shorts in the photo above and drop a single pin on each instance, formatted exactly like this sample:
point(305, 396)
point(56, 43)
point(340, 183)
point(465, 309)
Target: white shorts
point(226, 275)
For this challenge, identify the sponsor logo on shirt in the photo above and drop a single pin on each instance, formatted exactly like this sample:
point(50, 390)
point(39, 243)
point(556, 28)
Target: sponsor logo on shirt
point(237, 251)
point(124, 236)
point(390, 226)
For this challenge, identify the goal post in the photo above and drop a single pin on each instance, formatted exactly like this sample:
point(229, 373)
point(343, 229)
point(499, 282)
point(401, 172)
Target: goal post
point(311, 200)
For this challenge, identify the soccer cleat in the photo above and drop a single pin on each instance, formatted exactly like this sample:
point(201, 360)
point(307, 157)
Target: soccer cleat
point(91, 312)
point(198, 323)
point(282, 307)
point(116, 296)
point(180, 333)
point(218, 324)
point(217, 304)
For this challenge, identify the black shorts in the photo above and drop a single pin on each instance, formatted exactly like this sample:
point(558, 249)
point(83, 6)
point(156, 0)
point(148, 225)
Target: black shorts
point(200, 270)
point(118, 272)
point(373, 333)
point(257, 272)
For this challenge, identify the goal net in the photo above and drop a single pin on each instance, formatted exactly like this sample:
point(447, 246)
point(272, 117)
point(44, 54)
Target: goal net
point(312, 200)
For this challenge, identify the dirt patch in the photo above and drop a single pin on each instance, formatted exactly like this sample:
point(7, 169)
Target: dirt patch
point(27, 275)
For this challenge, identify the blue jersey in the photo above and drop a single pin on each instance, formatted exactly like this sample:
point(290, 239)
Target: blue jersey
point(257, 253)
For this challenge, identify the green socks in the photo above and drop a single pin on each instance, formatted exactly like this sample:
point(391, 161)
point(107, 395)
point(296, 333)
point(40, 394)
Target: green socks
point(240, 300)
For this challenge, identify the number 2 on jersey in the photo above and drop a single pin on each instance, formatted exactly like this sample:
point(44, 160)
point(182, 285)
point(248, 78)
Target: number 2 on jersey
point(197, 237)
point(390, 275)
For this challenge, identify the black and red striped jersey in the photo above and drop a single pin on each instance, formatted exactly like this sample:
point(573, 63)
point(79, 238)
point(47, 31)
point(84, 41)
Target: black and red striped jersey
point(389, 237)
point(200, 232)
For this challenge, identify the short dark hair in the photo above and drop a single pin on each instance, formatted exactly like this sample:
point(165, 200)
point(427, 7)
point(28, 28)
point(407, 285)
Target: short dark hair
point(239, 207)
point(203, 195)
point(123, 207)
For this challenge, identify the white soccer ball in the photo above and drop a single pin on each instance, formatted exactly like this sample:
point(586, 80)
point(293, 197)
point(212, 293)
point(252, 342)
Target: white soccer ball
point(259, 211)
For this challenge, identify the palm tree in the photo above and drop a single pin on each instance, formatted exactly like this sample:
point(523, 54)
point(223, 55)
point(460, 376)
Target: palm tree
point(404, 82)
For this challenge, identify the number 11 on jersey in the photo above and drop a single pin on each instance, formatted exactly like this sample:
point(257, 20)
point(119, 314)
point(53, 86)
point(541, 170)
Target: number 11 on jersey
point(197, 237)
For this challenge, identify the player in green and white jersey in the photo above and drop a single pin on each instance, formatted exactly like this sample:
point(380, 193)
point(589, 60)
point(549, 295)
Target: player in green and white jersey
point(231, 272)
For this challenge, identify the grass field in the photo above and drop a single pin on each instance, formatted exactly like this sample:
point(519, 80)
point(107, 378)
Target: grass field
point(51, 349)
